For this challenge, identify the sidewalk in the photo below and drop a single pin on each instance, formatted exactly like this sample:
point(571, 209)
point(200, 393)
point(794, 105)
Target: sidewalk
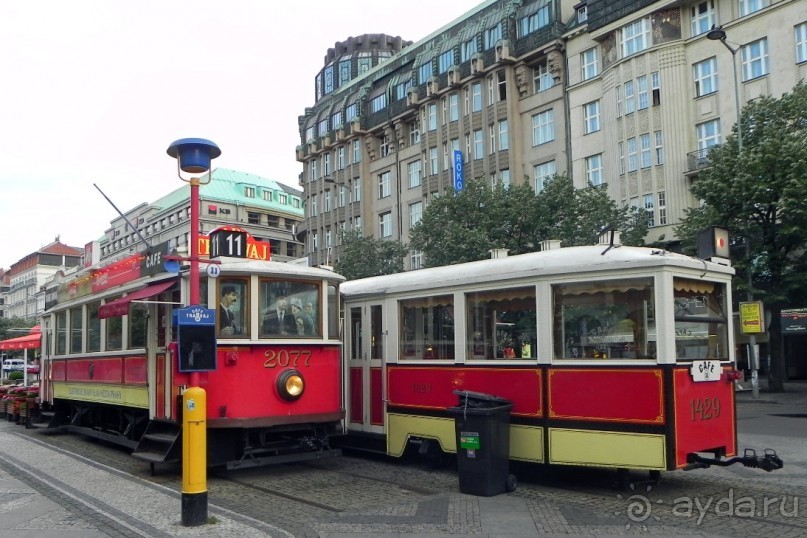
point(132, 507)
point(795, 394)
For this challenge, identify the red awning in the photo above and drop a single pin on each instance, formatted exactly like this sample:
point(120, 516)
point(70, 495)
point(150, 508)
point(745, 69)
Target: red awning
point(120, 307)
point(29, 341)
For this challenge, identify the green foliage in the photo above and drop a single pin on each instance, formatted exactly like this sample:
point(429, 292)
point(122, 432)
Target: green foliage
point(758, 194)
point(464, 227)
point(6, 324)
point(364, 256)
point(15, 375)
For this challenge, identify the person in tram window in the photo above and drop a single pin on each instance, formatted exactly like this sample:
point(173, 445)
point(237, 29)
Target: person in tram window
point(227, 322)
point(278, 320)
point(303, 324)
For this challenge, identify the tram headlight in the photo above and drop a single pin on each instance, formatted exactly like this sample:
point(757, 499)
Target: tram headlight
point(290, 385)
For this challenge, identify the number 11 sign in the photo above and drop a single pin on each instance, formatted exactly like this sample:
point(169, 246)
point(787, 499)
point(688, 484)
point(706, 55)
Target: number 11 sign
point(231, 243)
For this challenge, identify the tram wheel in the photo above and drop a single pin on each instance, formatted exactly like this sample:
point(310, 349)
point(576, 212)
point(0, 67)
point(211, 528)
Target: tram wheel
point(511, 483)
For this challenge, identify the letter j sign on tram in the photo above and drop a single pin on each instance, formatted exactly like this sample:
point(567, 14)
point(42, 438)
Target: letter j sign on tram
point(459, 181)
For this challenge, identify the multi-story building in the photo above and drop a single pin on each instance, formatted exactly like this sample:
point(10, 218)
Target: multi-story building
point(625, 93)
point(26, 278)
point(267, 210)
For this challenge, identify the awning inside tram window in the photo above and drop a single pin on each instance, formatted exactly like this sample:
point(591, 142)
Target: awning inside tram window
point(120, 307)
point(695, 286)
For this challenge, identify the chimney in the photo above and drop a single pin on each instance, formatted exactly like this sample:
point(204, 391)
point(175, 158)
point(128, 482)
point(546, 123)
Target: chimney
point(609, 237)
point(550, 244)
point(496, 253)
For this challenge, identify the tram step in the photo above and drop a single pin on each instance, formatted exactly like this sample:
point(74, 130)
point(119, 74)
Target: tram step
point(160, 443)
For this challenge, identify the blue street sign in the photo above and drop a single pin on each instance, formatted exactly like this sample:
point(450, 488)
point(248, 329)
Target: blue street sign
point(459, 181)
point(196, 331)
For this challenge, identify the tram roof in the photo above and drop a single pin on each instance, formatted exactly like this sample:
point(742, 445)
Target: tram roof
point(264, 268)
point(560, 261)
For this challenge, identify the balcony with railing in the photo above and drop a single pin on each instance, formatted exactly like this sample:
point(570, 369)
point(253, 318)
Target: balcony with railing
point(697, 161)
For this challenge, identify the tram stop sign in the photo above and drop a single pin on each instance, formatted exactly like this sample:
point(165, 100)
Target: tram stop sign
point(196, 326)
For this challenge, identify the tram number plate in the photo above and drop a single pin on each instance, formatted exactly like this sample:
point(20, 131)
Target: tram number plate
point(705, 370)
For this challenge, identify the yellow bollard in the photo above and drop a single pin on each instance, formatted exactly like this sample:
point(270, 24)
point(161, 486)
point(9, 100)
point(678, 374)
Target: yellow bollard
point(194, 457)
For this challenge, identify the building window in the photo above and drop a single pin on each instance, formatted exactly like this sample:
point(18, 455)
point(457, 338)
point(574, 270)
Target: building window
point(433, 166)
point(591, 116)
point(425, 72)
point(356, 151)
point(594, 169)
point(352, 112)
point(646, 153)
point(267, 196)
point(336, 119)
point(340, 158)
point(641, 82)
point(357, 225)
point(414, 133)
point(618, 97)
point(543, 173)
point(621, 150)
point(655, 86)
point(401, 89)
point(504, 138)
point(416, 259)
point(453, 107)
point(415, 213)
point(588, 63)
point(632, 151)
point(384, 189)
point(445, 61)
point(385, 224)
point(253, 218)
point(328, 201)
point(249, 192)
point(379, 103)
point(467, 50)
point(708, 134)
point(755, 59)
point(314, 205)
point(344, 72)
point(505, 175)
point(414, 169)
point(492, 36)
point(479, 145)
point(750, 6)
point(703, 17)
point(543, 127)
point(534, 22)
point(476, 96)
point(662, 208)
point(501, 82)
point(630, 105)
point(328, 79)
point(541, 79)
point(705, 75)
point(648, 207)
point(431, 110)
point(326, 163)
point(801, 43)
point(323, 127)
point(635, 37)
point(356, 190)
point(385, 146)
point(659, 148)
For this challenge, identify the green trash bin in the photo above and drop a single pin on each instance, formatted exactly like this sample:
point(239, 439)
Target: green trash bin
point(482, 427)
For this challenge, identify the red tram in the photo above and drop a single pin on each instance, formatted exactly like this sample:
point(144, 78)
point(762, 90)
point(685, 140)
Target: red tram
point(612, 356)
point(110, 368)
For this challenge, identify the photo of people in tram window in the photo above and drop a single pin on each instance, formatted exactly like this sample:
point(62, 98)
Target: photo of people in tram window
point(289, 309)
point(232, 316)
point(502, 324)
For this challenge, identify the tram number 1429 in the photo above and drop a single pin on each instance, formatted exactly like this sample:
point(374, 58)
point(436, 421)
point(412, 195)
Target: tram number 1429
point(704, 408)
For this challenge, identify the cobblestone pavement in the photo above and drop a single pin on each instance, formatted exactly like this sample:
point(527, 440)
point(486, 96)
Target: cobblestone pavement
point(66, 485)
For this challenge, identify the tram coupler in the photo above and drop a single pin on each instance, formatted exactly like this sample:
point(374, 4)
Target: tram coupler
point(769, 461)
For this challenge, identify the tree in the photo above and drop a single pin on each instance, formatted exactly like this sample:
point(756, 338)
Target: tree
point(364, 256)
point(465, 226)
point(14, 327)
point(758, 194)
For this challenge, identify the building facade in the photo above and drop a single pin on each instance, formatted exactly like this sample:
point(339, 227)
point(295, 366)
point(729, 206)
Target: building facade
point(267, 210)
point(628, 94)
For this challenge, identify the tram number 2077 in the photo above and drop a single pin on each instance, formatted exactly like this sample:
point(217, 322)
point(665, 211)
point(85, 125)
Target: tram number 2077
point(285, 358)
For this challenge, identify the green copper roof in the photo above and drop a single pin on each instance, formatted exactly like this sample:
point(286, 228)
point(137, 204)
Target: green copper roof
point(229, 186)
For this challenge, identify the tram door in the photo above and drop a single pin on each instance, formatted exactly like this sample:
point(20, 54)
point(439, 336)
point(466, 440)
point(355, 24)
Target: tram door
point(365, 368)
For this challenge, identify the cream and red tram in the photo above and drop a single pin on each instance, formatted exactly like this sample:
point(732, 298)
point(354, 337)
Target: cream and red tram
point(110, 365)
point(616, 357)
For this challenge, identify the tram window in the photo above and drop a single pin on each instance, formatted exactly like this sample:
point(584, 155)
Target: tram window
point(76, 330)
point(290, 309)
point(501, 324)
point(61, 333)
point(333, 311)
point(138, 313)
point(114, 333)
point(93, 328)
point(233, 309)
point(427, 328)
point(203, 298)
point(701, 325)
point(604, 320)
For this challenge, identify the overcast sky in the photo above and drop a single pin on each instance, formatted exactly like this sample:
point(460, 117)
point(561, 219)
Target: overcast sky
point(96, 91)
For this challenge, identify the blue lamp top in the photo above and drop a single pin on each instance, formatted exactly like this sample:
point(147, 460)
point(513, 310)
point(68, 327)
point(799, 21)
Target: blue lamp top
point(194, 154)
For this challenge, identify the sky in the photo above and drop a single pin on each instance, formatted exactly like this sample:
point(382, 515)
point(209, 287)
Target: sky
point(94, 91)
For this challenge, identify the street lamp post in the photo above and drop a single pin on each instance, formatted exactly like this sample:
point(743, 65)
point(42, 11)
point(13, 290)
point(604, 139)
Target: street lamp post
point(718, 34)
point(193, 156)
